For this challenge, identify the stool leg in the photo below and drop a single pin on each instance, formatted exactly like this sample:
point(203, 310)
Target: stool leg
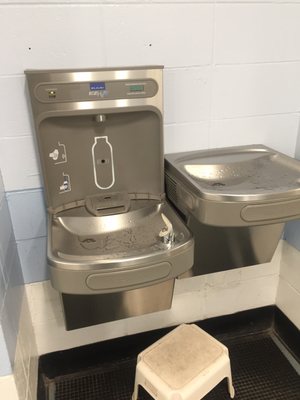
point(136, 385)
point(136, 380)
point(230, 386)
point(135, 391)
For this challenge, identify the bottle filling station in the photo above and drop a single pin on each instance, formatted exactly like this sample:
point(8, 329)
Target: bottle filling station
point(115, 245)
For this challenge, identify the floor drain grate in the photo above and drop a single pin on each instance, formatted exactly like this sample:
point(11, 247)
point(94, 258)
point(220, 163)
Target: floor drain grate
point(260, 372)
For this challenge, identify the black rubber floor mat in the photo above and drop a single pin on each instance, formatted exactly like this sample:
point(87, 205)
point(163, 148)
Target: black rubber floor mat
point(260, 372)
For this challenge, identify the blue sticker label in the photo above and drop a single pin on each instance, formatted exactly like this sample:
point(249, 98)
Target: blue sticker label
point(97, 86)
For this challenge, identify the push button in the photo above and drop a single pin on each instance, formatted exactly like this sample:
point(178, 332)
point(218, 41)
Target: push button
point(52, 94)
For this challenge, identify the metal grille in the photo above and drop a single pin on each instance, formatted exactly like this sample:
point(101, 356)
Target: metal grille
point(171, 188)
point(260, 372)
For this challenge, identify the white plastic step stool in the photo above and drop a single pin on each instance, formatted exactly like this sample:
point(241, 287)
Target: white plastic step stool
point(185, 364)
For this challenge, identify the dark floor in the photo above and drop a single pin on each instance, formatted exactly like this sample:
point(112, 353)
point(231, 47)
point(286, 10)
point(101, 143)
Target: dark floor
point(260, 370)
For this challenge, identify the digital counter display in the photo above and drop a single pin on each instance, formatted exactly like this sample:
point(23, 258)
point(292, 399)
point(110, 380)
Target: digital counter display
point(136, 88)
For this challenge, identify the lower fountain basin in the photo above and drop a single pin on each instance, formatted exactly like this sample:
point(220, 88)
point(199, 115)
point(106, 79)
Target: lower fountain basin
point(116, 252)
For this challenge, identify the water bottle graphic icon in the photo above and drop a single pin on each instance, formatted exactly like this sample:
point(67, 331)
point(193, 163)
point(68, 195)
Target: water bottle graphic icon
point(103, 162)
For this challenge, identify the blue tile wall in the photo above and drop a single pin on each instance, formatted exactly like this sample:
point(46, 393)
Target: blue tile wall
point(1, 189)
point(2, 278)
point(2, 288)
point(5, 367)
point(28, 213)
point(32, 254)
point(12, 306)
point(6, 234)
point(11, 288)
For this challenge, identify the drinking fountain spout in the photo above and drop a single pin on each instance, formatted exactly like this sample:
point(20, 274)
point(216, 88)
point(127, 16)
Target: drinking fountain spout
point(100, 118)
point(167, 235)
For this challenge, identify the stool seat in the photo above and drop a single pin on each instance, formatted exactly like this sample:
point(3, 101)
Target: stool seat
point(183, 365)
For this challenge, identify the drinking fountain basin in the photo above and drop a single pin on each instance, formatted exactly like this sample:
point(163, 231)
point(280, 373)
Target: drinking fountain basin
point(235, 201)
point(238, 186)
point(105, 254)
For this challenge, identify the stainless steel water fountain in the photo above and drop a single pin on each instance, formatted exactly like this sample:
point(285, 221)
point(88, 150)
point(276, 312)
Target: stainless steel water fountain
point(235, 201)
point(115, 245)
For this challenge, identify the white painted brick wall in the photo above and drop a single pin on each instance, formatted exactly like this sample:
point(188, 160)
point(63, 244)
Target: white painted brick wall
point(256, 89)
point(269, 129)
point(231, 77)
point(187, 94)
point(288, 294)
point(256, 34)
point(174, 35)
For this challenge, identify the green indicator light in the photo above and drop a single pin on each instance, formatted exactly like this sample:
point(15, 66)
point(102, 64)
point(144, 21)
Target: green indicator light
point(136, 88)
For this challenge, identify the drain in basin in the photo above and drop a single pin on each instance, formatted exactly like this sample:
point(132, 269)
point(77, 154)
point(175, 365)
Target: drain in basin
point(218, 184)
